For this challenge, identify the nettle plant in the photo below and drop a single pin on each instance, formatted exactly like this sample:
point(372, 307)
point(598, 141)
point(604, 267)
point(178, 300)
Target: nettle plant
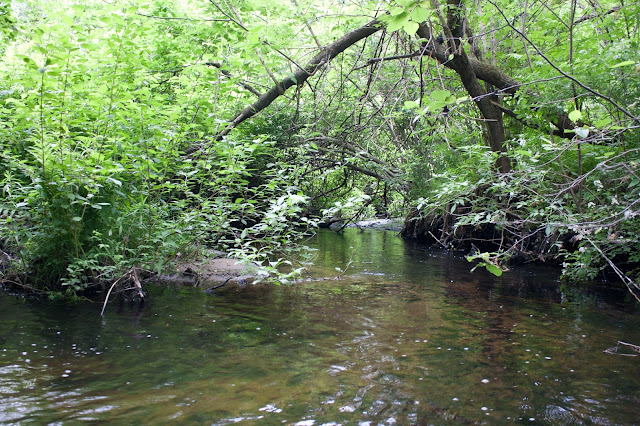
point(95, 176)
point(79, 163)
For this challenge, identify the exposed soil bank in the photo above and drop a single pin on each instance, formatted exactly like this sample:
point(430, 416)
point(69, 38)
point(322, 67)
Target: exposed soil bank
point(521, 243)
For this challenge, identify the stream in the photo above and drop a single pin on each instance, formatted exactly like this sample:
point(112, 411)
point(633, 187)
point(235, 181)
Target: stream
point(381, 332)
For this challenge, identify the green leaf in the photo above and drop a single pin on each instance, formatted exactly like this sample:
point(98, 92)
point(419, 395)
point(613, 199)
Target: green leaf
point(30, 62)
point(441, 95)
point(602, 123)
point(395, 11)
point(411, 27)
point(623, 64)
point(493, 269)
point(411, 105)
point(420, 14)
point(575, 115)
point(398, 22)
point(116, 181)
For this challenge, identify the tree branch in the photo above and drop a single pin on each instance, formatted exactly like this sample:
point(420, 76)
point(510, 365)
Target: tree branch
point(228, 75)
point(174, 18)
point(596, 15)
point(484, 71)
point(301, 75)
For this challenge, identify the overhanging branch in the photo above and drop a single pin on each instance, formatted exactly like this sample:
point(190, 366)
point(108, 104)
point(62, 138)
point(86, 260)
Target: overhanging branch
point(301, 75)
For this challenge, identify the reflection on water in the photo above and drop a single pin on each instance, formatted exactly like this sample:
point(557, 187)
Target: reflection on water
point(405, 336)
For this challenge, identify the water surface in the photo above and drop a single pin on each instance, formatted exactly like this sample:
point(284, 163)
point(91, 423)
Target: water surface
point(403, 336)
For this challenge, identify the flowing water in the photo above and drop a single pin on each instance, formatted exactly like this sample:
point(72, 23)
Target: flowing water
point(404, 336)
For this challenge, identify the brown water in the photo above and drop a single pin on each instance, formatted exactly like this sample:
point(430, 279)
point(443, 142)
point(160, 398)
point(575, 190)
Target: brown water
point(404, 337)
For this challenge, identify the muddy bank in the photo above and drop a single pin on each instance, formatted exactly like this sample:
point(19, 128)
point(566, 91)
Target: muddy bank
point(520, 243)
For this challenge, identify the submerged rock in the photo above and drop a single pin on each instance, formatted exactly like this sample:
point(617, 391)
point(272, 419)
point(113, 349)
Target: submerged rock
point(211, 272)
point(394, 224)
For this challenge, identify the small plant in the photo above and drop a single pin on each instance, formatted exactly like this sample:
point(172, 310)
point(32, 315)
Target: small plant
point(489, 261)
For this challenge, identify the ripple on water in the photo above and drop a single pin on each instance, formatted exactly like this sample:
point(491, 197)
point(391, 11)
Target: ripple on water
point(414, 326)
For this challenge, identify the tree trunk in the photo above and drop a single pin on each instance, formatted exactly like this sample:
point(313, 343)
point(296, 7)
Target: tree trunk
point(461, 64)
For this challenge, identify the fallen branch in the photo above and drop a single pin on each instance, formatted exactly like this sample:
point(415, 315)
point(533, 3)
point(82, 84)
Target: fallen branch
point(632, 286)
point(131, 276)
point(614, 350)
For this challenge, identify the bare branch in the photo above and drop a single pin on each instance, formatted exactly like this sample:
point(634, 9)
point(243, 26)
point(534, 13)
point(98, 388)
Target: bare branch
point(228, 75)
point(313, 35)
point(301, 75)
point(174, 18)
point(596, 15)
point(231, 18)
point(390, 58)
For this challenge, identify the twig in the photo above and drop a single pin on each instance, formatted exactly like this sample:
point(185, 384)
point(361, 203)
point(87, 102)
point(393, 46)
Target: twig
point(106, 299)
point(634, 348)
point(435, 238)
point(183, 19)
point(343, 271)
point(614, 350)
point(24, 286)
point(218, 286)
point(132, 275)
point(631, 285)
point(235, 21)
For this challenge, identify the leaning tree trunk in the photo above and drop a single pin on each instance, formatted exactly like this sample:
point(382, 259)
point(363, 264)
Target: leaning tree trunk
point(470, 71)
point(486, 102)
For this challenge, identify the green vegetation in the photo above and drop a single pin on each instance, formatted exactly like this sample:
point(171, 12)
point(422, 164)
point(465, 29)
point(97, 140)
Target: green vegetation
point(134, 134)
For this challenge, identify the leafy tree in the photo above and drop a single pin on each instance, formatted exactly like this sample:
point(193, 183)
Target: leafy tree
point(509, 126)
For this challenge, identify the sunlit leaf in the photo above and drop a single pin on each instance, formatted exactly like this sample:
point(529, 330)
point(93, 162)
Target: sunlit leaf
point(420, 14)
point(583, 132)
point(411, 105)
point(602, 123)
point(411, 27)
point(493, 269)
point(623, 64)
point(575, 115)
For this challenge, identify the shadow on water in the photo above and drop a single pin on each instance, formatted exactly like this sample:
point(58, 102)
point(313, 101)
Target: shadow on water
point(405, 335)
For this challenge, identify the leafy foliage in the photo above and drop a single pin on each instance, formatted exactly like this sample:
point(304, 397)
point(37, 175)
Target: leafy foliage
point(95, 178)
point(112, 156)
